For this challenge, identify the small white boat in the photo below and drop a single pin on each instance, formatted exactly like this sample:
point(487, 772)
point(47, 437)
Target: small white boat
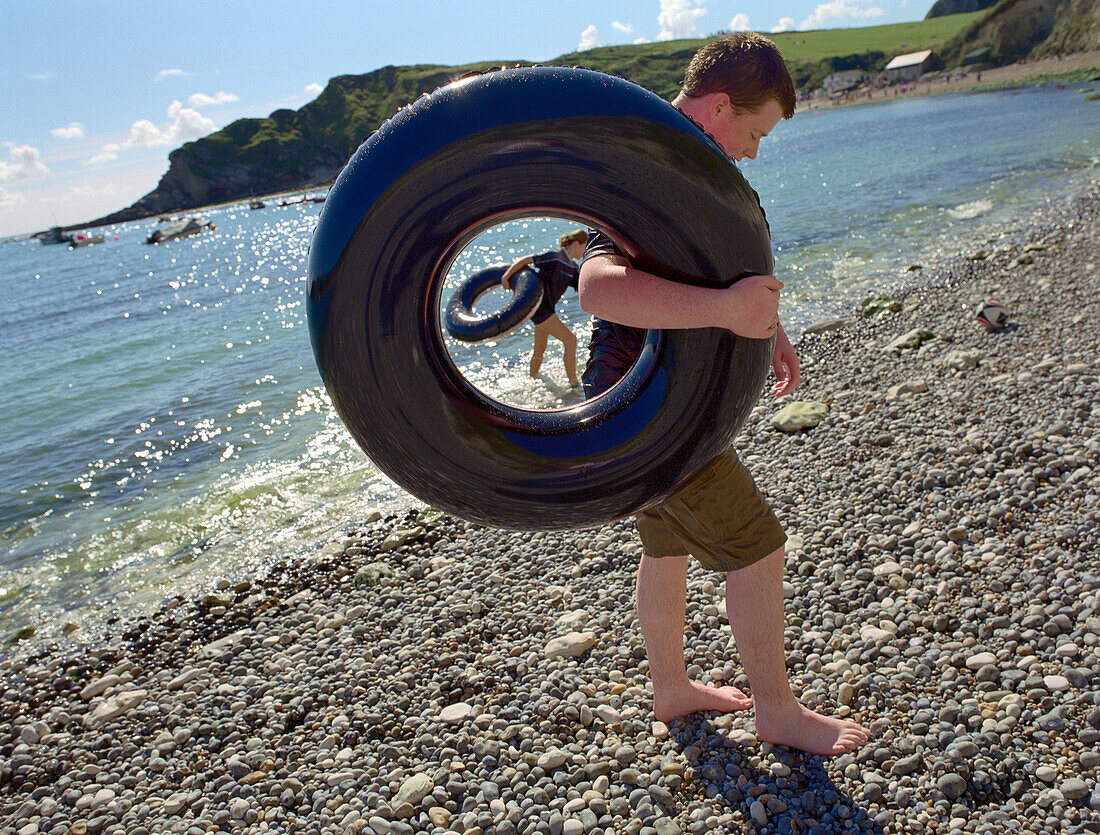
point(80, 240)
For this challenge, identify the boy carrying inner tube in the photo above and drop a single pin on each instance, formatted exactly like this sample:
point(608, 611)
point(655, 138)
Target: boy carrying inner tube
point(737, 90)
point(557, 272)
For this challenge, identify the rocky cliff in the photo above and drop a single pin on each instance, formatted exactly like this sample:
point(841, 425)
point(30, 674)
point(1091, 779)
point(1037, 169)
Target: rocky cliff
point(1016, 29)
point(945, 7)
point(1076, 29)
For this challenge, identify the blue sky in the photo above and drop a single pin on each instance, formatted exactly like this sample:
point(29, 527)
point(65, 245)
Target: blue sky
point(94, 96)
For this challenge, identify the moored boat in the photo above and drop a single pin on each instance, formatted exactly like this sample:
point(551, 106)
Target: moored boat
point(56, 235)
point(182, 228)
point(80, 240)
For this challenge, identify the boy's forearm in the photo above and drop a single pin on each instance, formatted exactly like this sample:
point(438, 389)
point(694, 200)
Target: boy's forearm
point(613, 290)
point(619, 293)
point(516, 266)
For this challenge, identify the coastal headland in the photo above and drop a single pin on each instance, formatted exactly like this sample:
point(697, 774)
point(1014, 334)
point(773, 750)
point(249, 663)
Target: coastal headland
point(425, 675)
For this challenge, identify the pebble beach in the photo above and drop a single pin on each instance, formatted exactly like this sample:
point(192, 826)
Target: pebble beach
point(425, 675)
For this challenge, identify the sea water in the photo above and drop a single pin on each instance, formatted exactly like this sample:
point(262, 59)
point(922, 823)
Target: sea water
point(162, 422)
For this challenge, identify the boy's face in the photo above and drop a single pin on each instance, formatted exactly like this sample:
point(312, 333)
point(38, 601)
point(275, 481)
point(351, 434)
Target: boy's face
point(739, 131)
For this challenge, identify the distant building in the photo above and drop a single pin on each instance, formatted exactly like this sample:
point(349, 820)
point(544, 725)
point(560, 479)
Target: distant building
point(838, 82)
point(909, 66)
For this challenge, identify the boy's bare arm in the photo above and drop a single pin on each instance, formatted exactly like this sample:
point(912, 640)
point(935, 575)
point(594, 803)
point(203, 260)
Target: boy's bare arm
point(613, 290)
point(513, 268)
point(785, 365)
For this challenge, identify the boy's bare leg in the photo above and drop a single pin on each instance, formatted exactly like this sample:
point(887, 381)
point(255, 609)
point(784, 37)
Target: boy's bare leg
point(754, 603)
point(661, 589)
point(558, 329)
point(541, 335)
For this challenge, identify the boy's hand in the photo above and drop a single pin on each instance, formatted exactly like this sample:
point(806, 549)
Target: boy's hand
point(785, 365)
point(754, 306)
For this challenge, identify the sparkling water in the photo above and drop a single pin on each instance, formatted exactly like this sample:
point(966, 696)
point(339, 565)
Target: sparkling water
point(162, 422)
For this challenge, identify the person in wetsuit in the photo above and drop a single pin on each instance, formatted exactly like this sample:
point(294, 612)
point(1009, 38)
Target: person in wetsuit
point(557, 272)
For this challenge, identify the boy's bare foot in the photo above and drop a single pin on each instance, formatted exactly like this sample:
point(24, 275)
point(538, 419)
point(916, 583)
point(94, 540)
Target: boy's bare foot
point(799, 727)
point(693, 698)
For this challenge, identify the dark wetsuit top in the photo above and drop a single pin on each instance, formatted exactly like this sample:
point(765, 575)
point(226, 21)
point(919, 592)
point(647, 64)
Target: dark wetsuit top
point(613, 347)
point(557, 273)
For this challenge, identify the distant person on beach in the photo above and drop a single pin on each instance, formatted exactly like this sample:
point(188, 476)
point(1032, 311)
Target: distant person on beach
point(557, 272)
point(737, 90)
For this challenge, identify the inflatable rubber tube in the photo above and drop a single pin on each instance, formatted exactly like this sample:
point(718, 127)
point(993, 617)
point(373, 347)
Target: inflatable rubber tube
point(465, 325)
point(569, 143)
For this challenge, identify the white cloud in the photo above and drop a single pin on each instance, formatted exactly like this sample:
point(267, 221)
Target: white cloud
point(588, 39)
point(739, 23)
point(785, 24)
point(677, 19)
point(838, 10)
point(625, 28)
point(78, 195)
point(145, 133)
point(220, 97)
point(99, 159)
point(74, 130)
point(23, 164)
point(42, 76)
point(11, 199)
point(163, 74)
point(641, 40)
point(314, 89)
point(183, 124)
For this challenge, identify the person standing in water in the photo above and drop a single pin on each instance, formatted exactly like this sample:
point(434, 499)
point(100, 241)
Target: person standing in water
point(557, 271)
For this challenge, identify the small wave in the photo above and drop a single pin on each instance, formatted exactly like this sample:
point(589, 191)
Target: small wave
point(965, 211)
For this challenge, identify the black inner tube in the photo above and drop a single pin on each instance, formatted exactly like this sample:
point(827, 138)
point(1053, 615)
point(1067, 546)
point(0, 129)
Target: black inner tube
point(573, 144)
point(465, 325)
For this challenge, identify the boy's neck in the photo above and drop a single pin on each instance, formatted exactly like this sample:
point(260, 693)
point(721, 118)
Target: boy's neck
point(694, 108)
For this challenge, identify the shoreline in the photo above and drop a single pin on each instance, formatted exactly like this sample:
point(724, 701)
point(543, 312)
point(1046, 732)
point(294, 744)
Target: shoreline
point(1042, 71)
point(941, 588)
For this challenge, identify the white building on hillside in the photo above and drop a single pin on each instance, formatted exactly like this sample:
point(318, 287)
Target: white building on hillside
point(909, 66)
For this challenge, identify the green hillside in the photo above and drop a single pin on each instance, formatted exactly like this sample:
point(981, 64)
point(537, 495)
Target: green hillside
point(294, 149)
point(810, 55)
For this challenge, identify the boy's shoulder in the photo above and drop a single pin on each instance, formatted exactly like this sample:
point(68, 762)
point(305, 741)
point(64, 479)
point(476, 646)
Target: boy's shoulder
point(599, 244)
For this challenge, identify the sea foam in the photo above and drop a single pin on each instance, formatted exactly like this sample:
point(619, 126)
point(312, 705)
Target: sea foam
point(974, 208)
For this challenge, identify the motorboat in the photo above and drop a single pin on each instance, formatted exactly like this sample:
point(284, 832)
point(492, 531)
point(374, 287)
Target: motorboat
point(56, 235)
point(185, 227)
point(80, 240)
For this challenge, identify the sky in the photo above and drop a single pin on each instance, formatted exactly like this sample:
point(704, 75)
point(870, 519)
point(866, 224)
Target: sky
point(93, 98)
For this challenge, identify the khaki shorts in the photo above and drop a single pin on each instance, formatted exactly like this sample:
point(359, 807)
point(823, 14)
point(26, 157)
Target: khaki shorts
point(719, 517)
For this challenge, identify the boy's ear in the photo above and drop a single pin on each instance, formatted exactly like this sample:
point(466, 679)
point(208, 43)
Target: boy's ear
point(720, 102)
